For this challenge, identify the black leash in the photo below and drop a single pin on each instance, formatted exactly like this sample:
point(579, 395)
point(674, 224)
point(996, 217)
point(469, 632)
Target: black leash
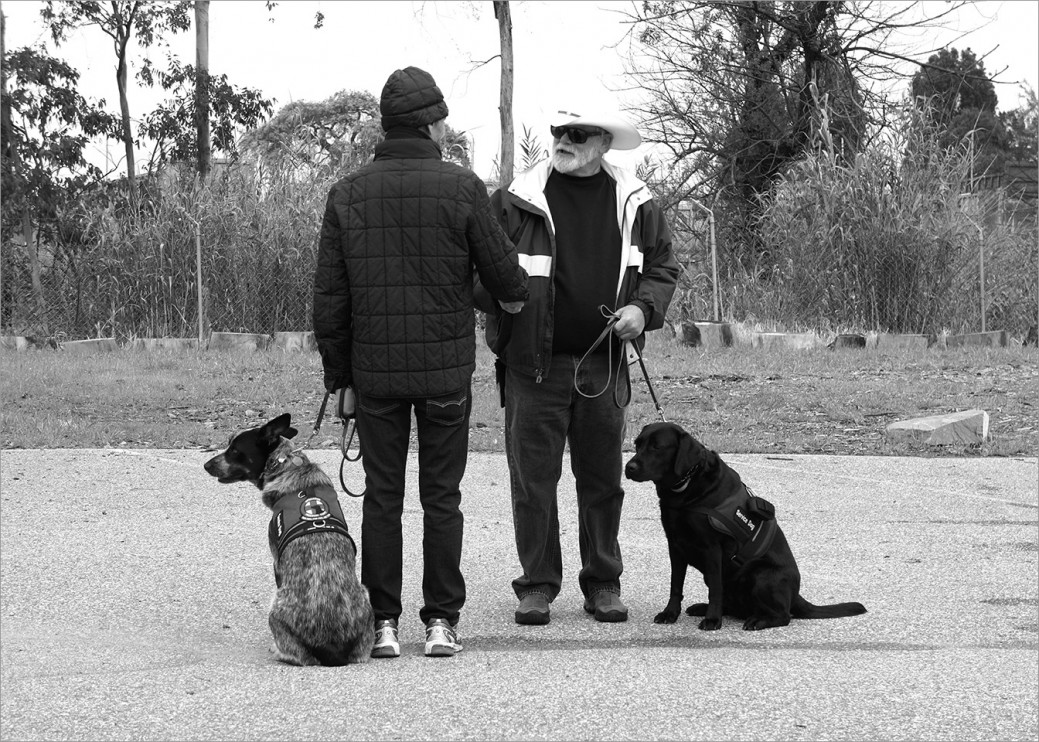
point(349, 433)
point(610, 322)
point(649, 384)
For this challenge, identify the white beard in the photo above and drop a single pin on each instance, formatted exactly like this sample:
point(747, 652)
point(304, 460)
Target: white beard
point(565, 162)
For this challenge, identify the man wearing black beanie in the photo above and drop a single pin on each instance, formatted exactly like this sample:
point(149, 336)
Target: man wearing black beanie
point(395, 326)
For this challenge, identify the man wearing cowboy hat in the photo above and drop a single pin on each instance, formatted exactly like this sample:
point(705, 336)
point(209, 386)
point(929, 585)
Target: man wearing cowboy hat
point(597, 249)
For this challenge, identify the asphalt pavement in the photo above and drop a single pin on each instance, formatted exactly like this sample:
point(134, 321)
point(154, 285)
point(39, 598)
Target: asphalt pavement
point(134, 592)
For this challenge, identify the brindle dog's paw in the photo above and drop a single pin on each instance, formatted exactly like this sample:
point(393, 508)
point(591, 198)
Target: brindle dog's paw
point(710, 624)
point(697, 609)
point(666, 616)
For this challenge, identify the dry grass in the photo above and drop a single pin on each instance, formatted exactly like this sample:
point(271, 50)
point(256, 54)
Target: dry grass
point(739, 400)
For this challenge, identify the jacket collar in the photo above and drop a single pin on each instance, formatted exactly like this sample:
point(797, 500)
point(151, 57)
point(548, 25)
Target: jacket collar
point(403, 143)
point(530, 184)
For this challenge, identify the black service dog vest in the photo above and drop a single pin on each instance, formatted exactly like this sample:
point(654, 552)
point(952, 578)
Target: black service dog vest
point(749, 519)
point(313, 510)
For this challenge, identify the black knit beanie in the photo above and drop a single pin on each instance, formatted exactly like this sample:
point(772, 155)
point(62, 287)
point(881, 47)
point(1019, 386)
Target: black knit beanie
point(411, 98)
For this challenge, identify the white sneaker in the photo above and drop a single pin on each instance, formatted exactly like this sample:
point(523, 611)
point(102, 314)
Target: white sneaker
point(441, 639)
point(387, 643)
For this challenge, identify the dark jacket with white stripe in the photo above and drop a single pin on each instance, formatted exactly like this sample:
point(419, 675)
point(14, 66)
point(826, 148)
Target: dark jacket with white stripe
point(647, 274)
point(393, 289)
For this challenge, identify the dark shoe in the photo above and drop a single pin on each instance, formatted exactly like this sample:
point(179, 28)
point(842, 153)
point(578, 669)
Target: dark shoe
point(606, 605)
point(533, 609)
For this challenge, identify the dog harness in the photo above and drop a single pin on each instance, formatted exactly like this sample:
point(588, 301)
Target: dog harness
point(312, 510)
point(749, 519)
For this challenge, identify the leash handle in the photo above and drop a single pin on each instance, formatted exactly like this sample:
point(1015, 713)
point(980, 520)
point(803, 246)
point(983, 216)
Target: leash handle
point(611, 320)
point(349, 433)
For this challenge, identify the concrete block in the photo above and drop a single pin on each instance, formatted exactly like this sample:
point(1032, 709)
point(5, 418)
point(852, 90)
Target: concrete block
point(15, 342)
point(97, 345)
point(715, 334)
point(848, 341)
point(238, 341)
point(164, 344)
point(295, 341)
point(707, 334)
point(785, 340)
point(968, 426)
point(887, 341)
point(992, 339)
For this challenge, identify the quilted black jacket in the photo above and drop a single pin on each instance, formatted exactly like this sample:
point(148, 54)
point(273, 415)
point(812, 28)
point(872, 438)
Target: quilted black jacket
point(393, 288)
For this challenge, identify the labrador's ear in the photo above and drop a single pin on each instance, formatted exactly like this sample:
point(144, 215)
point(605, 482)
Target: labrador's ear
point(687, 455)
point(692, 454)
point(710, 460)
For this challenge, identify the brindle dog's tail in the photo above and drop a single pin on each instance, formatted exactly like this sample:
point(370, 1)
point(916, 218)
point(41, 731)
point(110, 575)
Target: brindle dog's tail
point(801, 608)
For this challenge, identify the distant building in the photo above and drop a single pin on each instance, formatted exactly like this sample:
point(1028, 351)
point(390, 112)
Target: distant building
point(1020, 184)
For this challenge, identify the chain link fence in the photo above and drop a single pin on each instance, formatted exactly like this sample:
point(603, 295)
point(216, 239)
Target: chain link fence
point(240, 258)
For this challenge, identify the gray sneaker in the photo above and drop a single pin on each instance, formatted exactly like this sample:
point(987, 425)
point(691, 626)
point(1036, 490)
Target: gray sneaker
point(387, 642)
point(441, 639)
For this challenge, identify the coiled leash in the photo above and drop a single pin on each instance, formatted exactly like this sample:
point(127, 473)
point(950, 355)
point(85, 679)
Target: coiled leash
point(347, 438)
point(629, 347)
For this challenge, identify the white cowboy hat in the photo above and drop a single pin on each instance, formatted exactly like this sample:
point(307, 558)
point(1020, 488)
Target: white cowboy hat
point(625, 136)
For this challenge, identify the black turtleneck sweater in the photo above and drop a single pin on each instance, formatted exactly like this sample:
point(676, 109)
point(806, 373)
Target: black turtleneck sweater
point(588, 251)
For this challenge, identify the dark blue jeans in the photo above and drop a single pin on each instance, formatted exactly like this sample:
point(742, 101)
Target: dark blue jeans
point(540, 418)
point(384, 426)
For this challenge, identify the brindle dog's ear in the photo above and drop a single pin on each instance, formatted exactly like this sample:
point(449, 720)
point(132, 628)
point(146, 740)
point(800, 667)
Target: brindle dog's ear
point(687, 455)
point(279, 428)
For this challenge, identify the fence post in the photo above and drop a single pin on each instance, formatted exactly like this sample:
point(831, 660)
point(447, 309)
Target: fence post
point(714, 257)
point(981, 273)
point(198, 280)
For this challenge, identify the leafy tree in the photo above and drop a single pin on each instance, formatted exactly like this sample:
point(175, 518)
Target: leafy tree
point(739, 91)
point(954, 82)
point(1022, 127)
point(961, 99)
point(173, 126)
point(123, 21)
point(331, 137)
point(47, 126)
point(335, 135)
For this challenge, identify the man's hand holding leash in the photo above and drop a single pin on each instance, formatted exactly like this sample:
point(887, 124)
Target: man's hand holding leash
point(631, 321)
point(345, 403)
point(512, 307)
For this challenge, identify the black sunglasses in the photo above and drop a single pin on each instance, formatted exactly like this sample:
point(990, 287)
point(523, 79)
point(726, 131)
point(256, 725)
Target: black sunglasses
point(577, 136)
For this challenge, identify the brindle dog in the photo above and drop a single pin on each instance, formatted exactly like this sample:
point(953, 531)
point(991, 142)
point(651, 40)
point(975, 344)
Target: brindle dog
point(321, 614)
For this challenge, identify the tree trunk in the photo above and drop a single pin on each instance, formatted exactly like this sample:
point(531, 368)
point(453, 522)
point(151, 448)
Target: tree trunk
point(508, 137)
point(205, 153)
point(5, 118)
point(13, 162)
point(124, 109)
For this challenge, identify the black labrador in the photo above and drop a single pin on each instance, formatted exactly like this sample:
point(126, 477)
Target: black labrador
point(714, 523)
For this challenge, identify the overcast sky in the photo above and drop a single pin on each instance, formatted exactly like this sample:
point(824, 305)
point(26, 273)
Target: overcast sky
point(566, 54)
